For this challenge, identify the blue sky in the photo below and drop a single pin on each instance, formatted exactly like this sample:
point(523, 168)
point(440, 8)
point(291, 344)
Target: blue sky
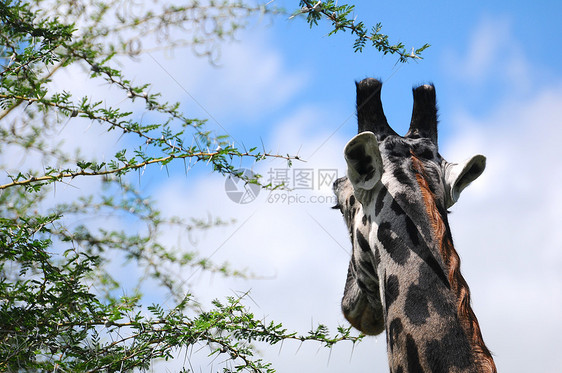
point(497, 71)
point(498, 80)
point(473, 62)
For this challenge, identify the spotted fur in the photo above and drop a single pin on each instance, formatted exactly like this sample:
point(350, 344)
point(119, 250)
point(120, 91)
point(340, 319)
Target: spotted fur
point(361, 304)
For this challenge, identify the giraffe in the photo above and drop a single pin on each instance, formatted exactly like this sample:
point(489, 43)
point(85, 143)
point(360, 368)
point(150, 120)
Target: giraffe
point(404, 274)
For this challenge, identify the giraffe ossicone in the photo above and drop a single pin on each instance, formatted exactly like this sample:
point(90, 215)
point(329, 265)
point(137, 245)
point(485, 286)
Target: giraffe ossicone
point(404, 273)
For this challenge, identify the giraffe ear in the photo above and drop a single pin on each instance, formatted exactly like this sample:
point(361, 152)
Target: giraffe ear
point(364, 163)
point(459, 176)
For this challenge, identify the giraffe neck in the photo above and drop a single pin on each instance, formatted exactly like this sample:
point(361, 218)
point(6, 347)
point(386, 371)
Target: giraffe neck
point(428, 319)
point(458, 286)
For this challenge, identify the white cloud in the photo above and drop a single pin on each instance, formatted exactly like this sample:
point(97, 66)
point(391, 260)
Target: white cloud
point(491, 54)
point(252, 80)
point(506, 227)
point(249, 80)
point(485, 46)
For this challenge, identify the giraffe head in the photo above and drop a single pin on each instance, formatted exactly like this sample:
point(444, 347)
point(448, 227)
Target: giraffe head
point(404, 274)
point(377, 154)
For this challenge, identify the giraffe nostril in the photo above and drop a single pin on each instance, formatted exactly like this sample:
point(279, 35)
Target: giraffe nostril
point(338, 184)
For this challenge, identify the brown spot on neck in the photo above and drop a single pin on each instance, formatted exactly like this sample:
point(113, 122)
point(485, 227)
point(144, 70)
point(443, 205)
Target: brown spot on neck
point(451, 260)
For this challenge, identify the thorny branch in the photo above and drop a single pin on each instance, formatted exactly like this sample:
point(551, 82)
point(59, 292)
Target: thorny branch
point(199, 155)
point(341, 21)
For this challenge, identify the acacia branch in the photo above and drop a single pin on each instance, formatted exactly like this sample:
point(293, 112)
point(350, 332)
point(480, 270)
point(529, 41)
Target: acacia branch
point(126, 168)
point(49, 75)
point(338, 15)
point(75, 111)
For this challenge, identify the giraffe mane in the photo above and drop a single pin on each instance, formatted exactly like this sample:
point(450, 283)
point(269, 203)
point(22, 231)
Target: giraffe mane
point(451, 260)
